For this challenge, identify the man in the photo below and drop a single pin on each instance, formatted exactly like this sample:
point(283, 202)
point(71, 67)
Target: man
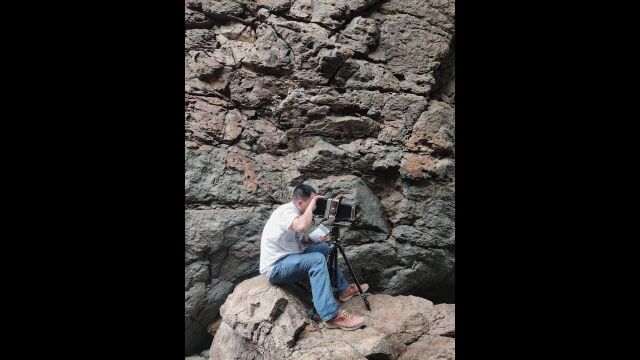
point(288, 255)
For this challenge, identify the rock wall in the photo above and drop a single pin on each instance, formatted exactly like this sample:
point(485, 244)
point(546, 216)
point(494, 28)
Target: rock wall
point(355, 97)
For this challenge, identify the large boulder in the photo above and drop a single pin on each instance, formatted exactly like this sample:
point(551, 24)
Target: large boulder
point(260, 320)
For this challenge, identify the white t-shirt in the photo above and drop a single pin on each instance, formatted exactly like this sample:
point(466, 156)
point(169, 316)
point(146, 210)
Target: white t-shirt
point(277, 241)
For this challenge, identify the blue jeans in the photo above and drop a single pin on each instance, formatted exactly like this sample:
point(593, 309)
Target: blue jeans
point(313, 263)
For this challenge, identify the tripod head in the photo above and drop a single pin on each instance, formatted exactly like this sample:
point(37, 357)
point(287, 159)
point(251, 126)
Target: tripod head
point(335, 230)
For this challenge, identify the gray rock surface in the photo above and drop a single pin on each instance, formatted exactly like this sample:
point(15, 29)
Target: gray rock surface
point(354, 97)
point(263, 321)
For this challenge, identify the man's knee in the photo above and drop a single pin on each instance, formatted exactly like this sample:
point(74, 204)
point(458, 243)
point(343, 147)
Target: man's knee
point(317, 258)
point(323, 248)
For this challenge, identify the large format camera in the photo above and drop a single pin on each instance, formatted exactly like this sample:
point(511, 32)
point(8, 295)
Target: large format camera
point(334, 210)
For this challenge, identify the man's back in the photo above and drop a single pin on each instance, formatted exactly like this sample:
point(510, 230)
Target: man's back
point(277, 241)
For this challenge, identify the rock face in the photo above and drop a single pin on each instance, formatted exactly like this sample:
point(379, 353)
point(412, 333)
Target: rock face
point(263, 321)
point(356, 98)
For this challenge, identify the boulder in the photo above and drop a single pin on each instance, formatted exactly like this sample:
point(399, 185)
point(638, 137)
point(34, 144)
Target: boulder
point(272, 322)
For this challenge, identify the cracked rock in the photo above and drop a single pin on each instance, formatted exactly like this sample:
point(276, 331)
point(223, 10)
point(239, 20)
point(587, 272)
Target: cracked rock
point(267, 321)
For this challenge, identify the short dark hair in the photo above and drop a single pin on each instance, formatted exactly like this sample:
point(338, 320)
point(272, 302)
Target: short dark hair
point(302, 191)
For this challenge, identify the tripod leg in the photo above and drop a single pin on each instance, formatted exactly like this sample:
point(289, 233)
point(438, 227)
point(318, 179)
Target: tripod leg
point(355, 279)
point(335, 267)
point(333, 258)
point(333, 276)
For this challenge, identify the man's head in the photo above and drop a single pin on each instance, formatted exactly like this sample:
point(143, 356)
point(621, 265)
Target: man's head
point(302, 196)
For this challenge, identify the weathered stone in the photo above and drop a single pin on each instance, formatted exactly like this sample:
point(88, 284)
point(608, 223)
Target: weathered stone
point(275, 5)
point(420, 270)
point(304, 38)
point(370, 260)
point(400, 209)
point(236, 159)
point(330, 59)
point(338, 128)
point(207, 72)
point(270, 54)
point(196, 20)
point(439, 13)
point(323, 159)
point(375, 156)
point(316, 56)
point(212, 329)
point(213, 231)
point(353, 190)
point(430, 348)
point(234, 30)
point(360, 74)
point(196, 272)
point(360, 34)
point(226, 240)
point(297, 143)
point(207, 123)
point(195, 336)
point(262, 320)
point(424, 166)
point(331, 13)
point(232, 177)
point(252, 91)
point(414, 40)
point(203, 66)
point(227, 344)
point(434, 131)
point(199, 40)
point(202, 170)
point(217, 8)
point(271, 139)
point(369, 102)
point(445, 77)
point(438, 219)
point(231, 52)
point(445, 321)
point(412, 235)
point(409, 44)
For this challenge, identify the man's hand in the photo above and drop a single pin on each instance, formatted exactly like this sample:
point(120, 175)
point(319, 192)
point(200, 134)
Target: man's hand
point(312, 203)
point(305, 239)
point(303, 222)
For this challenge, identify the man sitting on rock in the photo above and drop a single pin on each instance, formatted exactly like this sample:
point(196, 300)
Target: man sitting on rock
point(283, 258)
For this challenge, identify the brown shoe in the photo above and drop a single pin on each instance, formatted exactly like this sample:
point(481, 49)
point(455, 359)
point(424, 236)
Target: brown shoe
point(345, 321)
point(351, 291)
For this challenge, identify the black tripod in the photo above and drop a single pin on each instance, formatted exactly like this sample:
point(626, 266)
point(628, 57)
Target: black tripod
point(333, 261)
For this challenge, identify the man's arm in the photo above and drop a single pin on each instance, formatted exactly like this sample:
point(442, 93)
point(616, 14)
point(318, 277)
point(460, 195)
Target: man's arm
point(303, 223)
